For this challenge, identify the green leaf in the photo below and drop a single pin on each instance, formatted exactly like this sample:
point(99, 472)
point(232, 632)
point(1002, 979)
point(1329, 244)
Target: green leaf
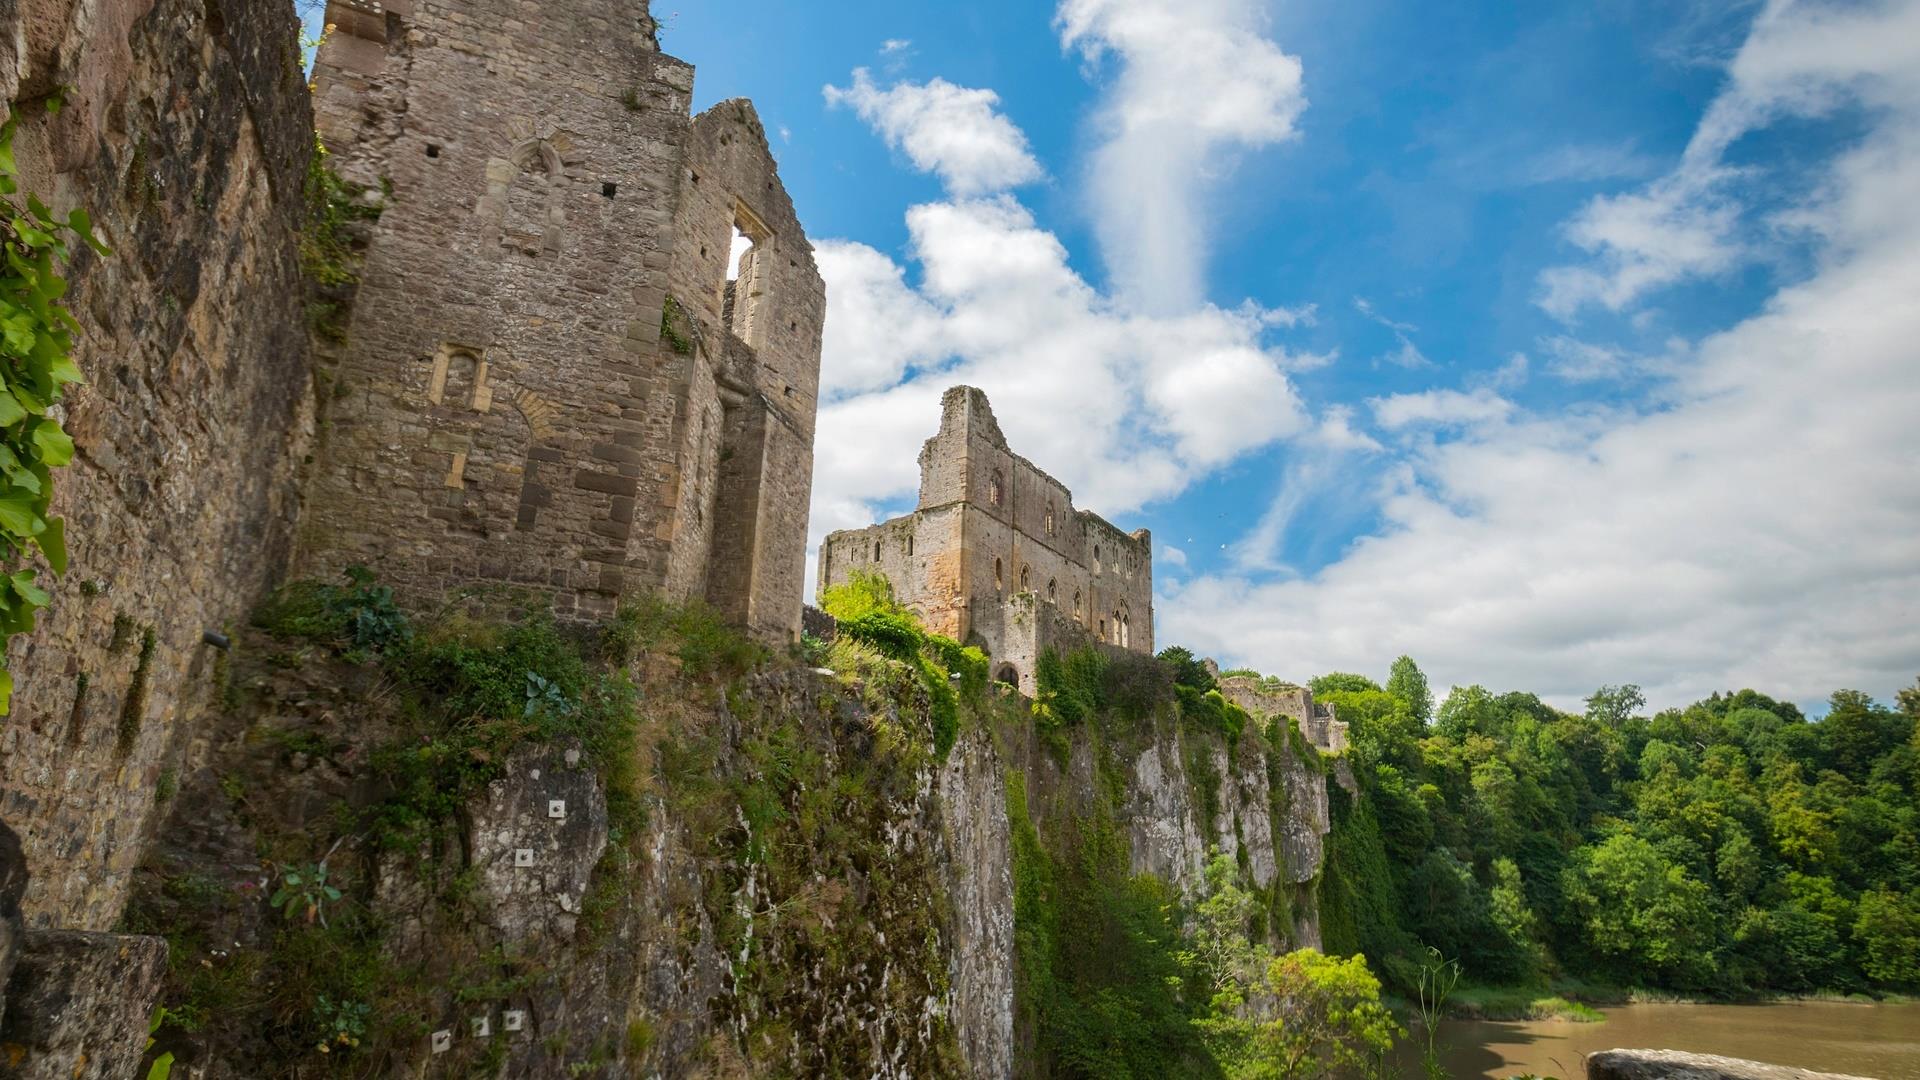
point(55, 446)
point(19, 516)
point(11, 412)
point(22, 581)
point(6, 690)
point(162, 1067)
point(53, 544)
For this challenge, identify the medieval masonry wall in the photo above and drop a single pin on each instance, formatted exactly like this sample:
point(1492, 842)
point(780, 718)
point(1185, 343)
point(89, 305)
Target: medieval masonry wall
point(996, 553)
point(551, 381)
point(186, 134)
point(1270, 699)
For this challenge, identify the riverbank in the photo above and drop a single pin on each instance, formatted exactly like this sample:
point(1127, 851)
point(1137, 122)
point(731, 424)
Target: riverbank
point(1877, 1039)
point(1582, 1002)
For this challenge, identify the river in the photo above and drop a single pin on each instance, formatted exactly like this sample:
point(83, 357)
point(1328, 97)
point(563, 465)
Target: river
point(1881, 1041)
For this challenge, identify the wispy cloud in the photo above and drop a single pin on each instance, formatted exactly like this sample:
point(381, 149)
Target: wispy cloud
point(1194, 82)
point(1676, 545)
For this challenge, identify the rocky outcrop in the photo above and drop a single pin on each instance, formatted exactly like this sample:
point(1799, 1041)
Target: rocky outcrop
point(979, 879)
point(78, 1005)
point(1269, 805)
point(1675, 1065)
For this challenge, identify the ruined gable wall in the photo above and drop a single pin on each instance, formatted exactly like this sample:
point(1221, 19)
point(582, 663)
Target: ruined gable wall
point(503, 409)
point(186, 137)
point(763, 349)
point(919, 554)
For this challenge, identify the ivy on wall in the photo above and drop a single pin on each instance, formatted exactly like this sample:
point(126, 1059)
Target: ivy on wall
point(36, 364)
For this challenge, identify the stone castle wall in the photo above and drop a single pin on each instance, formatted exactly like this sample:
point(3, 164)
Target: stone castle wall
point(1268, 698)
point(517, 404)
point(186, 134)
point(993, 528)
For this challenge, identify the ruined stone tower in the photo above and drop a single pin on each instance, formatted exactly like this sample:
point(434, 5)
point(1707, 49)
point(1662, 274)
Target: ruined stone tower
point(585, 349)
point(997, 555)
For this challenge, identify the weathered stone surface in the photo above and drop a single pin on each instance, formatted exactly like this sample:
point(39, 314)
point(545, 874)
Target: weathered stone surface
point(973, 809)
point(13, 885)
point(536, 839)
point(544, 387)
point(1271, 698)
point(78, 1005)
point(997, 554)
point(1676, 1065)
point(187, 140)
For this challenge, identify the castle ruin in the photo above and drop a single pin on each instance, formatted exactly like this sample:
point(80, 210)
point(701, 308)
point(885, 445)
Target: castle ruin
point(583, 356)
point(996, 554)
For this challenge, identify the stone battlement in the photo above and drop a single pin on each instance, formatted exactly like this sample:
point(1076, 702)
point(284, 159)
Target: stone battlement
point(997, 553)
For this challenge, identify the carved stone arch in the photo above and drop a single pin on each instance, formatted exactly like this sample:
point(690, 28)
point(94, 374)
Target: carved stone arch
point(527, 183)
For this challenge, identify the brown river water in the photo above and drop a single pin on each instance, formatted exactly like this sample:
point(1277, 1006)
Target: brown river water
point(1881, 1041)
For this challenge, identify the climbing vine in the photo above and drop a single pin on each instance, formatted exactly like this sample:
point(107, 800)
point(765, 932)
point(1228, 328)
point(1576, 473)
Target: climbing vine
point(36, 364)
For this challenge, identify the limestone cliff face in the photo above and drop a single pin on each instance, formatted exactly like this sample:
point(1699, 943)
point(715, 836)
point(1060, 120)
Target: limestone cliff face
point(809, 890)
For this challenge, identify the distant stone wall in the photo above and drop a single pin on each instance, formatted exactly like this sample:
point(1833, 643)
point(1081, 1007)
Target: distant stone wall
point(1270, 698)
point(993, 537)
point(543, 389)
point(186, 135)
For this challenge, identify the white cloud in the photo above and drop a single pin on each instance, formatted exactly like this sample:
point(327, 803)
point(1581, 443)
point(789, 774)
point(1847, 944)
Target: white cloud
point(1196, 79)
point(1365, 307)
point(1439, 407)
point(956, 132)
point(1582, 361)
point(1172, 556)
point(1124, 408)
point(894, 45)
point(1753, 526)
point(1800, 59)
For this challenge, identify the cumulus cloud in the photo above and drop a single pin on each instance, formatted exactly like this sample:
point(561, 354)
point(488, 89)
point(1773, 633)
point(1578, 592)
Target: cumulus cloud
point(1195, 79)
point(1439, 407)
point(1754, 526)
point(955, 132)
point(1125, 408)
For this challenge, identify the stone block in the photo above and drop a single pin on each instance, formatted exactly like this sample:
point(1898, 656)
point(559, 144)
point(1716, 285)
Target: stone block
point(1676, 1065)
point(78, 1005)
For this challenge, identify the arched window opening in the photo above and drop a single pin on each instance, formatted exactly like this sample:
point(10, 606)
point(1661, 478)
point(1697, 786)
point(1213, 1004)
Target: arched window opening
point(1008, 675)
point(909, 547)
point(997, 579)
point(1096, 558)
point(1049, 519)
point(1103, 629)
point(996, 489)
point(743, 298)
point(1126, 632)
point(529, 201)
point(876, 551)
point(1076, 605)
point(1026, 573)
point(1052, 593)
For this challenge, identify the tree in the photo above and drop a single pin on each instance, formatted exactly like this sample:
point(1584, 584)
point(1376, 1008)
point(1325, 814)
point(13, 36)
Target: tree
point(1887, 933)
point(1188, 670)
point(1322, 1014)
point(1637, 907)
point(1615, 705)
point(1340, 680)
point(1409, 684)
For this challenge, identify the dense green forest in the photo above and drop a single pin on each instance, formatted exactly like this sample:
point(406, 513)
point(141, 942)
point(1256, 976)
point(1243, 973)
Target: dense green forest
point(1733, 847)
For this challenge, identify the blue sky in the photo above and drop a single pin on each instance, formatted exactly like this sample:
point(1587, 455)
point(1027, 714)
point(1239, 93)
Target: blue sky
point(1552, 344)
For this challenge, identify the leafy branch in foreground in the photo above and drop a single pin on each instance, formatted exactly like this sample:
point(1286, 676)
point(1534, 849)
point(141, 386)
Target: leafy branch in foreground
point(36, 364)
